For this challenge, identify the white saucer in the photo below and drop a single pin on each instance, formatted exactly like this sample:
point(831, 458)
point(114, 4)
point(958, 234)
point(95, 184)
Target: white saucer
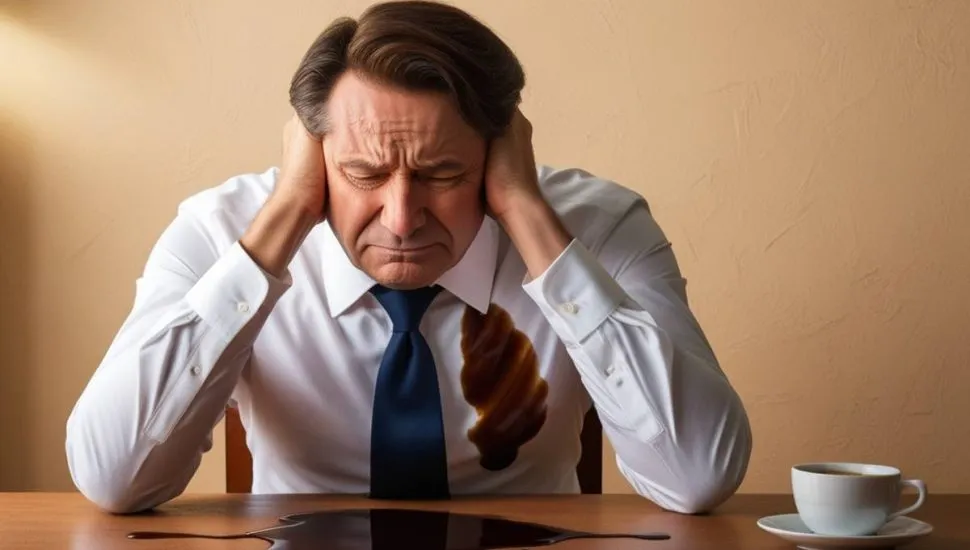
point(896, 532)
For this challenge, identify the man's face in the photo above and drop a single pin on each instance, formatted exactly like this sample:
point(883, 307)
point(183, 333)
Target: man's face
point(404, 177)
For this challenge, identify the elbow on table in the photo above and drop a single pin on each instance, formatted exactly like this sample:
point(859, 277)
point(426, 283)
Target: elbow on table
point(699, 496)
point(113, 498)
point(717, 470)
point(701, 489)
point(110, 487)
point(702, 498)
point(111, 491)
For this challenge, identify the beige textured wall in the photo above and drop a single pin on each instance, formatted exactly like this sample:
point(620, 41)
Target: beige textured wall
point(807, 158)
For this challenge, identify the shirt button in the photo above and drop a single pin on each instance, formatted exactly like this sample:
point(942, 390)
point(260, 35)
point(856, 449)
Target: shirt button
point(569, 307)
point(610, 370)
point(196, 370)
point(242, 307)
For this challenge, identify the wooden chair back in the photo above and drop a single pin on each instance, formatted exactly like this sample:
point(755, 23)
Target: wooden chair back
point(239, 462)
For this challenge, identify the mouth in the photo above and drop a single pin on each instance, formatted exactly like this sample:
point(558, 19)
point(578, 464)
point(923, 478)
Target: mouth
point(406, 251)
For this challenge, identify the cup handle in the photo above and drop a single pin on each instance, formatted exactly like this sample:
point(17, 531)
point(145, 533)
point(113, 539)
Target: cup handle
point(919, 486)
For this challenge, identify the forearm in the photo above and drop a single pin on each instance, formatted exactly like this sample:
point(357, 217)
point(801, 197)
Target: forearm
point(537, 234)
point(130, 446)
point(138, 431)
point(679, 429)
point(276, 234)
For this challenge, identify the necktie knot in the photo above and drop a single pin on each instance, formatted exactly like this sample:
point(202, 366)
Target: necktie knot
point(405, 307)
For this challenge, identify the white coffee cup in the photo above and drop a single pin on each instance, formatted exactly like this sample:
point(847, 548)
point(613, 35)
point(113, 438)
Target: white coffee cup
point(850, 499)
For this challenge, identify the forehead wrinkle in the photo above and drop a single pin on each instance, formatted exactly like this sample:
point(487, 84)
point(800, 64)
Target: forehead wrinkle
point(396, 138)
point(387, 132)
point(366, 143)
point(388, 142)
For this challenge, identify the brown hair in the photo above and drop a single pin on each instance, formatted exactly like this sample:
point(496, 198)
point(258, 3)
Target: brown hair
point(416, 45)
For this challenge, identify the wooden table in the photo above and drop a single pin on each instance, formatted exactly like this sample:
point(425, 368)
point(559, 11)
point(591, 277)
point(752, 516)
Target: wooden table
point(67, 521)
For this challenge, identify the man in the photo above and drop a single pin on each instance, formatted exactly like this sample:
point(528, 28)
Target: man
point(408, 307)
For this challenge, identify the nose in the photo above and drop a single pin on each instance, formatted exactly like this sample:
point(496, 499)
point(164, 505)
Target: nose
point(403, 211)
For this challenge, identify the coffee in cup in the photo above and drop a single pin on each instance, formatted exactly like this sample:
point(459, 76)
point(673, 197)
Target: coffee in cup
point(850, 499)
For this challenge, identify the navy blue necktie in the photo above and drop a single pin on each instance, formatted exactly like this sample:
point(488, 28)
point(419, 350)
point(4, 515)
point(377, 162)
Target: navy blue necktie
point(407, 431)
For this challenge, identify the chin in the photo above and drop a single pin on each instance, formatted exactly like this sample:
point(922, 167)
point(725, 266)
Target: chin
point(406, 273)
point(405, 276)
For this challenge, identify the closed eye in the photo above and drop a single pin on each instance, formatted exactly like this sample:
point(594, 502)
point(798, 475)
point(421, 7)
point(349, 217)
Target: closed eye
point(441, 177)
point(366, 181)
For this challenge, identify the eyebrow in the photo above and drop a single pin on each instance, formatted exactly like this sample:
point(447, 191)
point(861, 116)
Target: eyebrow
point(363, 164)
point(446, 164)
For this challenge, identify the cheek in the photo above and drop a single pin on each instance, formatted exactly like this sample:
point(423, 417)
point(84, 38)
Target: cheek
point(348, 212)
point(460, 212)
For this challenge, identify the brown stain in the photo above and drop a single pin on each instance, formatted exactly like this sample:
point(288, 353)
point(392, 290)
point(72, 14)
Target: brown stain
point(500, 378)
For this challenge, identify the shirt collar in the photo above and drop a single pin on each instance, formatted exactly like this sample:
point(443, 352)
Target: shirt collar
point(470, 280)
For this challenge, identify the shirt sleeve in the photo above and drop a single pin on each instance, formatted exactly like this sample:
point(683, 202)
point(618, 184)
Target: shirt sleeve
point(137, 433)
point(680, 431)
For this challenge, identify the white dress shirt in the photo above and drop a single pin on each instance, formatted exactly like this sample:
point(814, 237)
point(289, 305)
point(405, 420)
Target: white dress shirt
point(609, 323)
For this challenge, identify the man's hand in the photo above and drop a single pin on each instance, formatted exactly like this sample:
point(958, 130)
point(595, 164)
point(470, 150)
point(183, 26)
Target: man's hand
point(511, 182)
point(296, 204)
point(303, 176)
point(515, 201)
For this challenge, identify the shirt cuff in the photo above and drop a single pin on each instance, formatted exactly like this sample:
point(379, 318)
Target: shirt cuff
point(576, 294)
point(234, 290)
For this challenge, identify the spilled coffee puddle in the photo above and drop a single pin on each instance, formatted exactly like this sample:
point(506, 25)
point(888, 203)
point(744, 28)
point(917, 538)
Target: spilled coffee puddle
point(380, 529)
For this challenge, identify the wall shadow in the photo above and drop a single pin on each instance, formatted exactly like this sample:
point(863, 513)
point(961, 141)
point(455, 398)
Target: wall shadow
point(16, 472)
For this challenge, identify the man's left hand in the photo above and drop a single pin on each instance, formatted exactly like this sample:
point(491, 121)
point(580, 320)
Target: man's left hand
point(511, 181)
point(515, 201)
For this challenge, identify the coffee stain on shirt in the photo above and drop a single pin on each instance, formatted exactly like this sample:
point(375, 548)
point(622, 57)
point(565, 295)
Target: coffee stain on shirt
point(500, 378)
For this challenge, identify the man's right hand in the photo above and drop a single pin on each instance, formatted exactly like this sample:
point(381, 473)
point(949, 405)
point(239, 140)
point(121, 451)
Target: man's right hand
point(296, 204)
point(303, 176)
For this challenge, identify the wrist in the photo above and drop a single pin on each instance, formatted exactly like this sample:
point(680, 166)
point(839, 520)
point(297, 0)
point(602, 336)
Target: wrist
point(521, 207)
point(277, 232)
point(296, 214)
point(537, 233)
